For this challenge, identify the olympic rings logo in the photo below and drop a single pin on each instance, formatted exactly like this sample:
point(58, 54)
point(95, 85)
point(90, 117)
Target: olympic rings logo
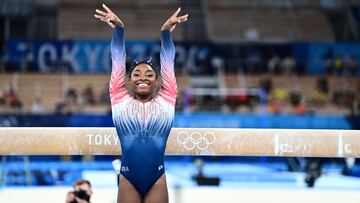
point(195, 139)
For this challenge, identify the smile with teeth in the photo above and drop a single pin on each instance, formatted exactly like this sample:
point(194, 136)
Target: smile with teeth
point(143, 84)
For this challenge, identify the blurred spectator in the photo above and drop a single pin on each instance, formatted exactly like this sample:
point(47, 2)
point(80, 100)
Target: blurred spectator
point(266, 85)
point(88, 95)
point(188, 101)
point(179, 106)
point(351, 66)
point(232, 102)
point(81, 194)
point(300, 109)
point(274, 64)
point(288, 65)
point(36, 106)
point(339, 65)
point(344, 98)
point(275, 107)
point(278, 100)
point(210, 103)
point(296, 102)
point(217, 62)
point(9, 95)
point(322, 85)
point(11, 99)
point(295, 98)
point(71, 96)
point(61, 108)
point(280, 94)
point(329, 61)
point(320, 97)
point(104, 97)
point(42, 178)
point(313, 169)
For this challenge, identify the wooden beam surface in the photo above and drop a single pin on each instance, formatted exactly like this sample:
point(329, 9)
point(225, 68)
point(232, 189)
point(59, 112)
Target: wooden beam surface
point(185, 141)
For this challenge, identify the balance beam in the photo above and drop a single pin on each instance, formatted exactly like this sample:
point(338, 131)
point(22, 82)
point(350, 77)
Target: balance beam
point(185, 141)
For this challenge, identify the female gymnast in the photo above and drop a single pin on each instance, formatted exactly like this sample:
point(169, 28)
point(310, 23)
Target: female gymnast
point(143, 117)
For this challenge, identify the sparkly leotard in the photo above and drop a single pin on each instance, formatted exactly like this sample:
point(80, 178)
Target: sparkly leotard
point(143, 127)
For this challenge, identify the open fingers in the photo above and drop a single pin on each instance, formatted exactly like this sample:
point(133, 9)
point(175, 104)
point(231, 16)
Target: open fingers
point(183, 18)
point(107, 8)
point(176, 12)
point(177, 20)
point(111, 24)
point(100, 12)
point(100, 17)
point(103, 19)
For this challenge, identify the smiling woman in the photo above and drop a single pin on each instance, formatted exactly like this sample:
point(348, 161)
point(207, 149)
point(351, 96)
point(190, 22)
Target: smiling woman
point(142, 119)
point(143, 80)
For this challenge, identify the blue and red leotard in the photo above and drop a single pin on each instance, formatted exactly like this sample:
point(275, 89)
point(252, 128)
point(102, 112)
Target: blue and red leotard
point(143, 127)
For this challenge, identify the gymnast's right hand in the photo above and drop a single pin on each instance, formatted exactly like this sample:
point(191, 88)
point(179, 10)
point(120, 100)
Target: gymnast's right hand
point(109, 17)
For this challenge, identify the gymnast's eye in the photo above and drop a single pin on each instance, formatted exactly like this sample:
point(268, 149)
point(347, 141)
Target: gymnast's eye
point(136, 74)
point(150, 75)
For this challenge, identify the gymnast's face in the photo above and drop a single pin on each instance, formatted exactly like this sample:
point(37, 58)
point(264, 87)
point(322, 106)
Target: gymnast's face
point(143, 81)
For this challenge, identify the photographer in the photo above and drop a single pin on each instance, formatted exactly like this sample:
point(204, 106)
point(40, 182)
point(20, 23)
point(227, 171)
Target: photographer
point(81, 194)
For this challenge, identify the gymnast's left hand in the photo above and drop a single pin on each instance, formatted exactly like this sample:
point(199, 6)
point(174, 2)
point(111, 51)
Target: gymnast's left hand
point(174, 20)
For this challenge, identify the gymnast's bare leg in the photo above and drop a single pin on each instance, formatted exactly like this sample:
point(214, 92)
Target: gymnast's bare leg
point(127, 192)
point(158, 193)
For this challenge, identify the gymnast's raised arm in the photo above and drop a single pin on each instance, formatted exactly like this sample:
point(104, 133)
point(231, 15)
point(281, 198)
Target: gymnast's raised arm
point(167, 56)
point(117, 86)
